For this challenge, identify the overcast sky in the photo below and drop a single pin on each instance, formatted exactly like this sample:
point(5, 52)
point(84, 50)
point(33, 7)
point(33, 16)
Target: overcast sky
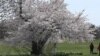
point(92, 9)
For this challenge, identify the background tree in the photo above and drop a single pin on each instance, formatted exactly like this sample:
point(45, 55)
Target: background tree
point(97, 31)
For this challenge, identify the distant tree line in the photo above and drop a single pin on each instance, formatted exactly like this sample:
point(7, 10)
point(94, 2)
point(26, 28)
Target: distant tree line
point(97, 31)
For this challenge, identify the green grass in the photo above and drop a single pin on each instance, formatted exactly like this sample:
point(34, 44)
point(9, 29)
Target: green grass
point(61, 47)
point(77, 48)
point(12, 50)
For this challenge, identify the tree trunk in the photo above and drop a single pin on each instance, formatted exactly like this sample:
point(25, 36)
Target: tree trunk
point(38, 46)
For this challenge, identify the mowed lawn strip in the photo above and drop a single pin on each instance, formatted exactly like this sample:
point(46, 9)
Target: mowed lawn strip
point(78, 48)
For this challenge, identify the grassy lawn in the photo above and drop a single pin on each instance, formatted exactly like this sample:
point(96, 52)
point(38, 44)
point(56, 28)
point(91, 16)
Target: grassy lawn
point(61, 47)
point(12, 50)
point(77, 48)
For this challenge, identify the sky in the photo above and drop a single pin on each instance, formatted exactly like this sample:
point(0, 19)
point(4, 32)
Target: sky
point(91, 7)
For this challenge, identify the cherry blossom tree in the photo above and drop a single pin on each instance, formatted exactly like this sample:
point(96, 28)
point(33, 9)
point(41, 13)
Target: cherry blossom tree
point(42, 21)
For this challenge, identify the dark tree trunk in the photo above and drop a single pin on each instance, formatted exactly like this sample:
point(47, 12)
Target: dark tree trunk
point(20, 10)
point(20, 7)
point(37, 47)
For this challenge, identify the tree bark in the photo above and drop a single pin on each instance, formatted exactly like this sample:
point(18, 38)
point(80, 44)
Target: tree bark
point(38, 46)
